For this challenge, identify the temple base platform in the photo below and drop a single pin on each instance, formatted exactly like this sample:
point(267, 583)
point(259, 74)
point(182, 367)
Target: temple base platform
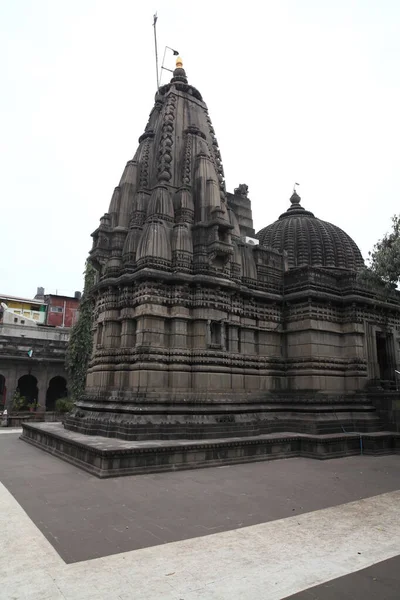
point(111, 457)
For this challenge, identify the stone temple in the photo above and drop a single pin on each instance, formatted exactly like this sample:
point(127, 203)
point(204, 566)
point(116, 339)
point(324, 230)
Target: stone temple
point(214, 343)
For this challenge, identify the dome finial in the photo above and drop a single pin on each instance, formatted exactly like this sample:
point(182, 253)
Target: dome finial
point(179, 75)
point(295, 198)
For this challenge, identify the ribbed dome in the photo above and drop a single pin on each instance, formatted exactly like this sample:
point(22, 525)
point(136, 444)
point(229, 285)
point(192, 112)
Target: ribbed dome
point(310, 241)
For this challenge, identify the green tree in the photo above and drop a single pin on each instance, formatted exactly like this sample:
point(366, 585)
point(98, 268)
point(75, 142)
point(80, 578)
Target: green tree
point(80, 342)
point(385, 256)
point(384, 260)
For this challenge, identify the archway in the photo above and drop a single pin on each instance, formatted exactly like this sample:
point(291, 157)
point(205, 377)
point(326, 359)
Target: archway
point(57, 389)
point(3, 391)
point(27, 386)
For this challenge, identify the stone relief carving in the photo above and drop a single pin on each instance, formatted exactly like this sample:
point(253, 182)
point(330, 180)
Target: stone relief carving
point(242, 190)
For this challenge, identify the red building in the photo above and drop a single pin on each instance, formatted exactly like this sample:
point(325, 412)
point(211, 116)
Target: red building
point(62, 311)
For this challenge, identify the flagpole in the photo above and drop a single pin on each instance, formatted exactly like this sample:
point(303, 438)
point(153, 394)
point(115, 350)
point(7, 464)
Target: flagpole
point(155, 45)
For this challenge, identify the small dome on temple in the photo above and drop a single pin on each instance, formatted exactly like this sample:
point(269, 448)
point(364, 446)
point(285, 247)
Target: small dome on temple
point(309, 241)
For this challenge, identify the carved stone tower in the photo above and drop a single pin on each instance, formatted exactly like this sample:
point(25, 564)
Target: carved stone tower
point(178, 333)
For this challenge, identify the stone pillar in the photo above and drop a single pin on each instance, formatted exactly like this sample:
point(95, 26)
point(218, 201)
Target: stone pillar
point(153, 331)
point(373, 366)
point(233, 338)
point(179, 333)
point(139, 331)
point(391, 353)
point(128, 333)
point(11, 384)
point(111, 337)
point(248, 344)
point(115, 332)
point(106, 338)
point(200, 334)
point(43, 381)
point(225, 337)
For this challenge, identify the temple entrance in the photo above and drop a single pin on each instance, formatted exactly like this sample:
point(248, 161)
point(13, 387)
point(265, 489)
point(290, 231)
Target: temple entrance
point(3, 391)
point(57, 389)
point(27, 386)
point(384, 343)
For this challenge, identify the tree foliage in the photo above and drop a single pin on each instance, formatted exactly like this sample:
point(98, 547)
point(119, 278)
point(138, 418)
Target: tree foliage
point(80, 342)
point(385, 257)
point(384, 260)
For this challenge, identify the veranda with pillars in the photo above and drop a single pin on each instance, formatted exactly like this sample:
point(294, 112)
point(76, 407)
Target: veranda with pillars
point(38, 383)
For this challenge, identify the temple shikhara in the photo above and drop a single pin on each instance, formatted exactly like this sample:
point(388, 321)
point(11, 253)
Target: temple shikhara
point(215, 341)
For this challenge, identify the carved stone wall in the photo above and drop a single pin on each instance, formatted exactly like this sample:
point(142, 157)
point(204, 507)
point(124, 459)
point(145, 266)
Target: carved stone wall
point(186, 338)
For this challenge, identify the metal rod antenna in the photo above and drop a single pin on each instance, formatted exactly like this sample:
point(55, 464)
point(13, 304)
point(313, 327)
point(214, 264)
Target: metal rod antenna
point(155, 45)
point(175, 53)
point(162, 64)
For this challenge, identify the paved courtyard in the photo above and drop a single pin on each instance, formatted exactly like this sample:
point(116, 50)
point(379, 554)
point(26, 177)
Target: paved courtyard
point(296, 528)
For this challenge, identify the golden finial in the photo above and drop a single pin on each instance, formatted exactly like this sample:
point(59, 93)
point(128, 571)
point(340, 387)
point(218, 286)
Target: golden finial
point(179, 63)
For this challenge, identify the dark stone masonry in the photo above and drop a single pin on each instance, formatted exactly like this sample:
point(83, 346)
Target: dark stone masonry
point(213, 343)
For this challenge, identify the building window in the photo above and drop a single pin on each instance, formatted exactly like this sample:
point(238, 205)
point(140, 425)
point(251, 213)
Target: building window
point(99, 340)
point(222, 235)
point(215, 334)
point(15, 320)
point(56, 309)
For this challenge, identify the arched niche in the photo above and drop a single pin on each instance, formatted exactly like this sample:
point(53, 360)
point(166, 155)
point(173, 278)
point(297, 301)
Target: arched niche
point(28, 388)
point(57, 389)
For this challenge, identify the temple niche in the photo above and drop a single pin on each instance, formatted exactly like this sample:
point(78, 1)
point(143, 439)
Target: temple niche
point(206, 330)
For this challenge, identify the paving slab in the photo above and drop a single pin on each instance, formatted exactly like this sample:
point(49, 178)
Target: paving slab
point(269, 560)
point(379, 582)
point(86, 518)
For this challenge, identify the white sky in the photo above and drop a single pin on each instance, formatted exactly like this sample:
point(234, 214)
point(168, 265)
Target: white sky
point(298, 90)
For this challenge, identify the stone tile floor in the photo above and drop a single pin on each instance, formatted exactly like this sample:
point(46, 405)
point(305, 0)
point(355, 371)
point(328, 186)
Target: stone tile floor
point(319, 530)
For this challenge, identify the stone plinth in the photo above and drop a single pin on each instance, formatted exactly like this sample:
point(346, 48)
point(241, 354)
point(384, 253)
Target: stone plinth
point(152, 419)
point(105, 457)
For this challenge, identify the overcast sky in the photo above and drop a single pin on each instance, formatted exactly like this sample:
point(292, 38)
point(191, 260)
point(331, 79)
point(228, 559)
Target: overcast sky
point(298, 90)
